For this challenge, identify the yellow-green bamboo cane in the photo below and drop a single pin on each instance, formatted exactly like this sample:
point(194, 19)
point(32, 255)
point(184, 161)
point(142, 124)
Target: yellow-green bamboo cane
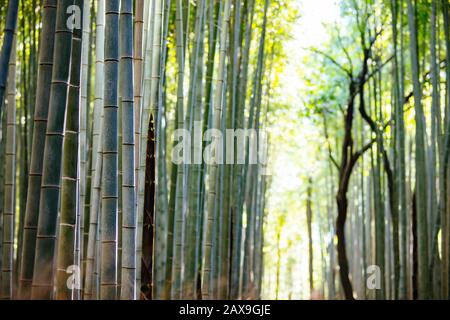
point(180, 204)
point(96, 150)
point(37, 155)
point(70, 205)
point(84, 111)
point(144, 116)
point(211, 199)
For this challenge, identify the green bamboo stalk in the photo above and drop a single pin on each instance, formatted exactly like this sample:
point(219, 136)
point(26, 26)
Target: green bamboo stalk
point(37, 155)
point(162, 205)
point(69, 219)
point(144, 129)
point(228, 196)
point(379, 227)
point(155, 64)
point(97, 151)
point(250, 171)
point(211, 197)
point(97, 256)
point(141, 16)
point(219, 215)
point(84, 119)
point(435, 152)
point(92, 247)
point(235, 120)
point(149, 219)
point(400, 153)
point(180, 205)
point(128, 284)
point(99, 84)
point(197, 150)
point(26, 86)
point(239, 169)
point(260, 236)
point(445, 214)
point(109, 211)
point(138, 64)
point(213, 16)
point(9, 210)
point(195, 85)
point(7, 47)
point(2, 177)
point(42, 286)
point(120, 175)
point(420, 161)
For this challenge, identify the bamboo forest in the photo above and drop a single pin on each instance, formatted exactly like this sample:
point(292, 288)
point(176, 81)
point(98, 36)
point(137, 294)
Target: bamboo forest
point(224, 149)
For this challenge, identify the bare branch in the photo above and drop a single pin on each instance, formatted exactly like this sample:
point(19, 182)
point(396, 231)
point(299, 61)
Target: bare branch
point(380, 67)
point(327, 138)
point(360, 152)
point(344, 49)
point(332, 60)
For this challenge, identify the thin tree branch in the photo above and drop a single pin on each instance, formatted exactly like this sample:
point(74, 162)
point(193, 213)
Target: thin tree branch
point(332, 60)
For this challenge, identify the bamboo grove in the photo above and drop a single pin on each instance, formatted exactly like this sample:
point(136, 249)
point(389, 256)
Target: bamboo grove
point(377, 203)
point(118, 179)
point(93, 206)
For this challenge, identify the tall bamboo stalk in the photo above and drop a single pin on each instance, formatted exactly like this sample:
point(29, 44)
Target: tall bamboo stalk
point(97, 158)
point(149, 24)
point(128, 284)
point(9, 208)
point(84, 119)
point(69, 219)
point(138, 64)
point(238, 178)
point(180, 204)
point(37, 155)
point(445, 214)
point(420, 162)
point(211, 200)
point(400, 153)
point(7, 47)
point(162, 205)
point(194, 109)
point(148, 219)
point(42, 287)
point(109, 211)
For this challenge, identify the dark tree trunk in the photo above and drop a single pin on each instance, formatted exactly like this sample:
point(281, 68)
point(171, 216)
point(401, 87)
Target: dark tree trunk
point(345, 171)
point(149, 215)
point(342, 204)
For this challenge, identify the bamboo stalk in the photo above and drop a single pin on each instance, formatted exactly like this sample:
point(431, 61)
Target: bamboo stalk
point(97, 160)
point(128, 284)
point(7, 47)
point(9, 210)
point(37, 156)
point(109, 211)
point(211, 200)
point(70, 207)
point(42, 286)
